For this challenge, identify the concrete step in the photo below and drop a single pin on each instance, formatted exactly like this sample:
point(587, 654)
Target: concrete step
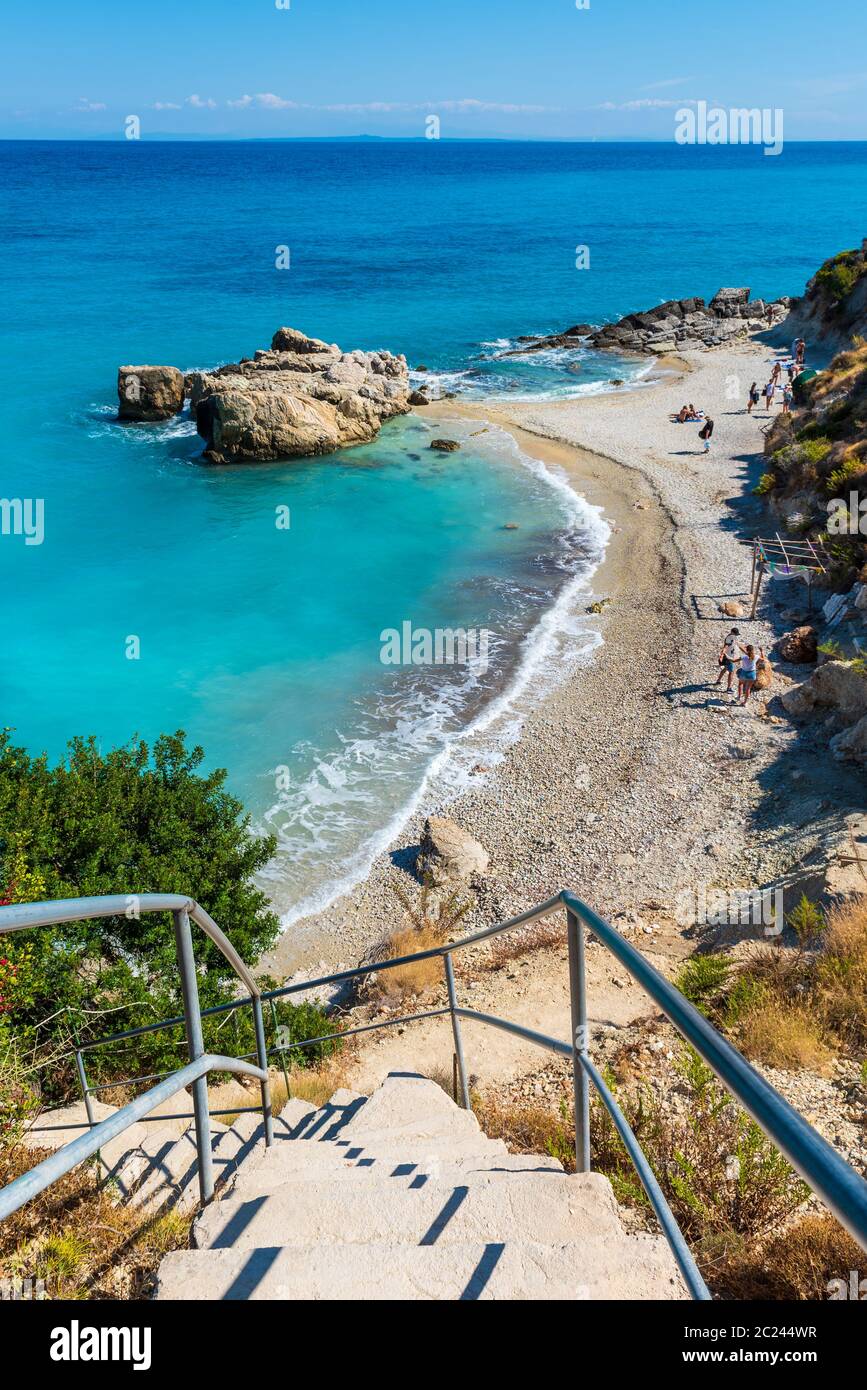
point(539, 1206)
point(266, 1177)
point(634, 1267)
point(163, 1170)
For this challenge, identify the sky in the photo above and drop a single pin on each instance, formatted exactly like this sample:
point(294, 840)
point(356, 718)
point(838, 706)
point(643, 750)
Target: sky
point(527, 69)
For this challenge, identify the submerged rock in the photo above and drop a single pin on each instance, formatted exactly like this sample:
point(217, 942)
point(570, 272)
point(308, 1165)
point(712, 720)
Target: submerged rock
point(149, 393)
point(445, 446)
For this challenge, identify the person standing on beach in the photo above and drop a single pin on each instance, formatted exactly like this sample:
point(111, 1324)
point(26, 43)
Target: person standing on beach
point(801, 353)
point(705, 433)
point(776, 374)
point(770, 391)
point(728, 658)
point(753, 398)
point(747, 673)
point(787, 398)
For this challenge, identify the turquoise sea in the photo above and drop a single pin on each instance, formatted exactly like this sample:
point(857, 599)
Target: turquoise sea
point(263, 643)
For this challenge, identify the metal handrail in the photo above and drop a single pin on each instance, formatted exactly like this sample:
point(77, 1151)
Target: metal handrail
point(27, 916)
point(15, 1194)
point(830, 1177)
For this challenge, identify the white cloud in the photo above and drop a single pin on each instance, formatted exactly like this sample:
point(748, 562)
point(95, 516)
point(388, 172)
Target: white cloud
point(275, 103)
point(166, 106)
point(644, 104)
point(242, 101)
point(85, 105)
point(201, 103)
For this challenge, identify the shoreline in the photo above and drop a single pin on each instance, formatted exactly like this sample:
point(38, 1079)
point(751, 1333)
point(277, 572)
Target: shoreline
point(355, 920)
point(634, 778)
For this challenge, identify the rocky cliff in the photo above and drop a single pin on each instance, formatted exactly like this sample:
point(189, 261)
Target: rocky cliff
point(300, 397)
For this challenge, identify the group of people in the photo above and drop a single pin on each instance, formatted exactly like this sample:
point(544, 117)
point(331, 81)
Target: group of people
point(794, 367)
point(689, 414)
point(735, 657)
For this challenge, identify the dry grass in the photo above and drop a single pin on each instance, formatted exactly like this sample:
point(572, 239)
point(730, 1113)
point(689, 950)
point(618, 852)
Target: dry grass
point(538, 937)
point(842, 973)
point(783, 1034)
point(314, 1084)
point(406, 980)
point(796, 1264)
point(83, 1246)
point(528, 1127)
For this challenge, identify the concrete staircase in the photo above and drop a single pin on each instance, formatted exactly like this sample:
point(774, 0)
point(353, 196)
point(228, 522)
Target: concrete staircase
point(395, 1196)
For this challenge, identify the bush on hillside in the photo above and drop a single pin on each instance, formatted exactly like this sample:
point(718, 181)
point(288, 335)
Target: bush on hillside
point(129, 821)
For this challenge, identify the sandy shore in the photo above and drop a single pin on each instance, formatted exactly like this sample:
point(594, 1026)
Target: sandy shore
point(634, 778)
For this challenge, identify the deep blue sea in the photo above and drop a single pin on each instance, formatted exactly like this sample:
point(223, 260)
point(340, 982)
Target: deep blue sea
point(264, 644)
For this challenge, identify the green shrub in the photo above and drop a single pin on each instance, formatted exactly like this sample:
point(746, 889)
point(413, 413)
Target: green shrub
point(132, 820)
point(806, 920)
point(702, 979)
point(767, 482)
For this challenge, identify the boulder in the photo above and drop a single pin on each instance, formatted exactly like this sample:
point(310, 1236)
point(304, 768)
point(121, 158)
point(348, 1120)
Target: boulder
point(729, 303)
point(764, 674)
point(418, 398)
point(798, 646)
point(445, 446)
point(836, 685)
point(149, 393)
point(300, 398)
point(732, 609)
point(448, 854)
point(851, 743)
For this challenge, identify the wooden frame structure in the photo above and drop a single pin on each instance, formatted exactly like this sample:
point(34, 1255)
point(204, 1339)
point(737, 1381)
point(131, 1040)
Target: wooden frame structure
point(791, 557)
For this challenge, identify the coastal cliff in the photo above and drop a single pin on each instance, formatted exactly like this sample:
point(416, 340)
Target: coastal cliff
point(299, 398)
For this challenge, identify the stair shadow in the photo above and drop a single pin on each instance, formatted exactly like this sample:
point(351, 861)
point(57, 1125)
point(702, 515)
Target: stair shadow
point(438, 1225)
point(238, 1223)
point(311, 1125)
point(481, 1275)
point(252, 1272)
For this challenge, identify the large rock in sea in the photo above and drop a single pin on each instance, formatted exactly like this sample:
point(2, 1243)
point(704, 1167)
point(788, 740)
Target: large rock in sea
point(302, 397)
point(149, 393)
point(449, 855)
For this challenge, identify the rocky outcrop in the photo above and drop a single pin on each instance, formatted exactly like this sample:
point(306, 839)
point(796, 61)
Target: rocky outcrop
point(149, 393)
point(448, 854)
point(838, 685)
point(798, 646)
point(300, 397)
point(677, 325)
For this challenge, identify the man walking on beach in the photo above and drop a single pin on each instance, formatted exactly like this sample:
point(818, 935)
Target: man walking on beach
point(705, 433)
point(728, 657)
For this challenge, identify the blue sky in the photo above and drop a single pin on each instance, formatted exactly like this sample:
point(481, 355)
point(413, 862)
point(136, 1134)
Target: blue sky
point(487, 68)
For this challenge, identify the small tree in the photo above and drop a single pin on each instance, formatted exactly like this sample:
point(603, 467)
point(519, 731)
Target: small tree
point(131, 821)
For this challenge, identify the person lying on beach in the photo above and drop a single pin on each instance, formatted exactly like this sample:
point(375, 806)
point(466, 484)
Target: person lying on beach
point(753, 398)
point(747, 673)
point(687, 415)
point(728, 658)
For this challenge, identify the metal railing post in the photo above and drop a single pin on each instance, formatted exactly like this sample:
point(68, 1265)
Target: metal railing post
point(82, 1080)
point(278, 1045)
point(456, 1030)
point(196, 1046)
point(265, 1085)
point(580, 1081)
